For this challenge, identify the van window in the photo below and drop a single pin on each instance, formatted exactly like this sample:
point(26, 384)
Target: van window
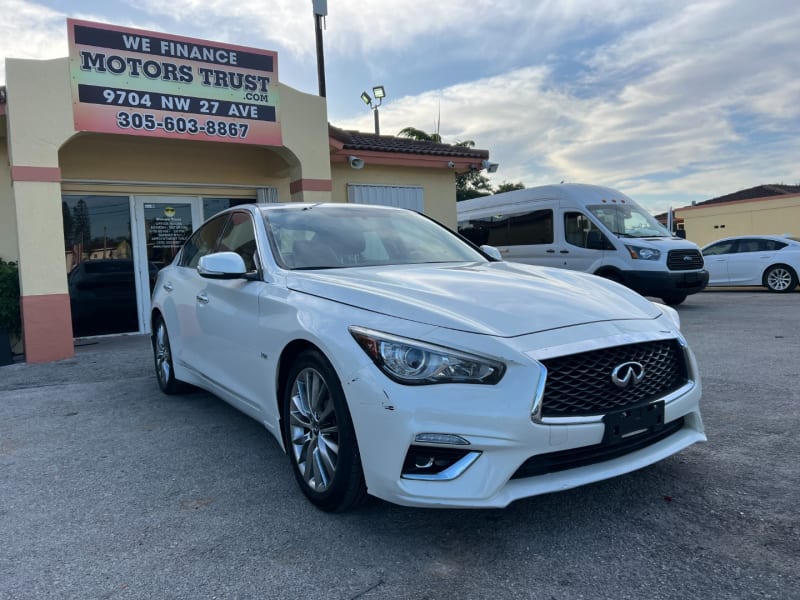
point(535, 227)
point(628, 221)
point(531, 228)
point(580, 231)
point(492, 231)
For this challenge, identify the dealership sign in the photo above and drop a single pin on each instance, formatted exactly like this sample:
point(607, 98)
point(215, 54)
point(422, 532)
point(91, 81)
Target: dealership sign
point(138, 82)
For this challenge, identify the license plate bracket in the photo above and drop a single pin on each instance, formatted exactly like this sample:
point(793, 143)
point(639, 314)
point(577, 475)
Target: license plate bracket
point(623, 424)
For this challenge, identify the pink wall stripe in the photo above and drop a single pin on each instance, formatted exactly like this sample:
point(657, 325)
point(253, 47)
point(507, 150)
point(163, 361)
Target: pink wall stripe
point(40, 174)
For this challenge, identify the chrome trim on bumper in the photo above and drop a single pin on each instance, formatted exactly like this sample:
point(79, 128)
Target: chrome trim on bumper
point(452, 472)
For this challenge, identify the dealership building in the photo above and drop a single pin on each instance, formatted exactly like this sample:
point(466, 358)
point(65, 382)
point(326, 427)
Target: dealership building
point(112, 156)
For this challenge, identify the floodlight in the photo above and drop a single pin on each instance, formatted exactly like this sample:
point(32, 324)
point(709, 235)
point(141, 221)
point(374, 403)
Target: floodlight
point(379, 92)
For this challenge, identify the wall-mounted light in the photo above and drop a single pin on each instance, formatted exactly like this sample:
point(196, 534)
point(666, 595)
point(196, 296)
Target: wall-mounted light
point(355, 162)
point(490, 166)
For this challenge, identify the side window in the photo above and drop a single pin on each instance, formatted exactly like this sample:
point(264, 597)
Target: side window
point(725, 247)
point(749, 245)
point(202, 242)
point(492, 231)
point(531, 228)
point(580, 231)
point(770, 245)
point(239, 237)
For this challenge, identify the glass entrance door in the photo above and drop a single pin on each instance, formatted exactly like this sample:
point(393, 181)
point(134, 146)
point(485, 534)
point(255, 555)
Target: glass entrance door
point(163, 223)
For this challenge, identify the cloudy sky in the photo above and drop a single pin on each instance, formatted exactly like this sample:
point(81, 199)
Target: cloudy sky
point(669, 101)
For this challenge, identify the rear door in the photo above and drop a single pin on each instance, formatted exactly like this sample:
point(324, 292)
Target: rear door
point(752, 257)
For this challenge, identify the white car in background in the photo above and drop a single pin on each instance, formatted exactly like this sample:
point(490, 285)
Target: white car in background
point(388, 356)
point(772, 261)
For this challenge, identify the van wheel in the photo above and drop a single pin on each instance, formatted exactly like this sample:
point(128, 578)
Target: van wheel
point(674, 299)
point(612, 276)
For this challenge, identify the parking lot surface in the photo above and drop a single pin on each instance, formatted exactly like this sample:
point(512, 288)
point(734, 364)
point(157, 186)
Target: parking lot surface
point(109, 489)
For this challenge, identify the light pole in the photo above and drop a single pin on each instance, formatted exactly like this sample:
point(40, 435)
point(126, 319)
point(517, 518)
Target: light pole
point(379, 94)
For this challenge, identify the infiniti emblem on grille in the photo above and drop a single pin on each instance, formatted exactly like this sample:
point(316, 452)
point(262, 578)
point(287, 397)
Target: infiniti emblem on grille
point(627, 374)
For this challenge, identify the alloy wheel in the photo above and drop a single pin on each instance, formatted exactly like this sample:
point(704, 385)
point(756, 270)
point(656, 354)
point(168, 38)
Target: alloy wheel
point(163, 355)
point(779, 279)
point(314, 429)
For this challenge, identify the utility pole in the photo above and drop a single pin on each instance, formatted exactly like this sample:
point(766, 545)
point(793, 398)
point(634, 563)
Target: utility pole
point(320, 12)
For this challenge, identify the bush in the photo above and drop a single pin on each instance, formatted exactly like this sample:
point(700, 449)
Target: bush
point(10, 321)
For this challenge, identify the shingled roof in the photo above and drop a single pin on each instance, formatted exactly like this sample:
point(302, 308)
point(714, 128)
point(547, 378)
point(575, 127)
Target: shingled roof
point(358, 140)
point(760, 191)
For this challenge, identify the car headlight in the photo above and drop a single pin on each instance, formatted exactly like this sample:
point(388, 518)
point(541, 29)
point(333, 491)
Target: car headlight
point(412, 362)
point(640, 253)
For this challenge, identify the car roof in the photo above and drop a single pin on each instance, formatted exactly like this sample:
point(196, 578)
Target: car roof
point(781, 238)
point(265, 208)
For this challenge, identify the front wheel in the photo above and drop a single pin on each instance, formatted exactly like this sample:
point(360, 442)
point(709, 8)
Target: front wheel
point(673, 299)
point(162, 356)
point(320, 437)
point(780, 279)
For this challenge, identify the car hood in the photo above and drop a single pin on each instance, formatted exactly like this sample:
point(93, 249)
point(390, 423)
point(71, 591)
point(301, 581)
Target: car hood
point(500, 298)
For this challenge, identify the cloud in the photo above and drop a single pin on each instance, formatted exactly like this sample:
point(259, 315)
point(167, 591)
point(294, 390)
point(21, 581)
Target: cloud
point(30, 30)
point(664, 100)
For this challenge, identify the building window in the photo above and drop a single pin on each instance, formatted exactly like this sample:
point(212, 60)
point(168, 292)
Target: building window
point(400, 196)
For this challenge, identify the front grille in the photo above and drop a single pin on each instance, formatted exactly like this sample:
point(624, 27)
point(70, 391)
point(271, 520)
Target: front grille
point(590, 455)
point(684, 260)
point(581, 385)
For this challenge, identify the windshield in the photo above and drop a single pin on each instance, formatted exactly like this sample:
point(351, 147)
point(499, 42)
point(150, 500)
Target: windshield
point(628, 221)
point(331, 236)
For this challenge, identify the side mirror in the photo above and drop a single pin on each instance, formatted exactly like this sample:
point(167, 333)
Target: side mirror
point(222, 265)
point(681, 233)
point(492, 252)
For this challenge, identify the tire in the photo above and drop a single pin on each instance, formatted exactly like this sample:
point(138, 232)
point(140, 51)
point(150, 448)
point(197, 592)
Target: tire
point(162, 360)
point(780, 279)
point(612, 276)
point(319, 434)
point(674, 299)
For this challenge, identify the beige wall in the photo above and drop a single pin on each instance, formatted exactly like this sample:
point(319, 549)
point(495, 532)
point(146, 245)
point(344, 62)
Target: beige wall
point(39, 113)
point(89, 160)
point(8, 217)
point(439, 186)
point(304, 119)
point(706, 224)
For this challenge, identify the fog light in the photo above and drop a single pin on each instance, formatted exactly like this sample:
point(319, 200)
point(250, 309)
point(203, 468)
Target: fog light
point(437, 464)
point(424, 462)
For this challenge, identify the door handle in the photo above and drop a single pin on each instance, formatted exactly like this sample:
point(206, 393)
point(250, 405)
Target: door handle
point(564, 251)
point(551, 251)
point(168, 286)
point(202, 298)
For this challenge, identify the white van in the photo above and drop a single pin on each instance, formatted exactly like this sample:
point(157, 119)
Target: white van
point(586, 228)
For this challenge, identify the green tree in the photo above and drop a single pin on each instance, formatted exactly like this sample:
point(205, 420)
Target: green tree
point(507, 186)
point(422, 136)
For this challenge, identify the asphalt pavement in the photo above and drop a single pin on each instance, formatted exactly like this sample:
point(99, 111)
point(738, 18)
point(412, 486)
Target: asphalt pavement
point(109, 489)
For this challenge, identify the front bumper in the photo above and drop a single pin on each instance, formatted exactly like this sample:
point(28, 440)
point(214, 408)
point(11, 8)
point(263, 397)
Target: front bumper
point(661, 283)
point(497, 423)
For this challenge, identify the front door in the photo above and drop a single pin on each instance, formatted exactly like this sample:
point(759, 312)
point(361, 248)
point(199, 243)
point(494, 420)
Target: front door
point(162, 224)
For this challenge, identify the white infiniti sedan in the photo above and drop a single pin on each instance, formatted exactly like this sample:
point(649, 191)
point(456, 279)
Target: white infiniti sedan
point(387, 356)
